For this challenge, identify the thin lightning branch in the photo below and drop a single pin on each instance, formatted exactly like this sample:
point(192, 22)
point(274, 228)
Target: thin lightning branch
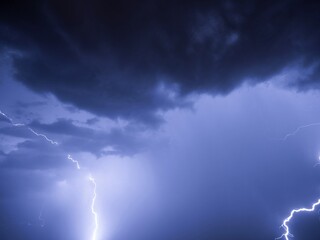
point(286, 235)
point(74, 161)
point(285, 223)
point(29, 128)
point(298, 129)
point(44, 136)
point(10, 120)
point(94, 235)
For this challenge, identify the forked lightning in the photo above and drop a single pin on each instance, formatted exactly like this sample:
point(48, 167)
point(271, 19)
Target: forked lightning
point(91, 179)
point(285, 223)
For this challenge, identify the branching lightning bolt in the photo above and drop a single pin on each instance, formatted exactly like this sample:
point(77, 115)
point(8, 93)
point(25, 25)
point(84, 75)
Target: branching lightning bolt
point(285, 223)
point(92, 180)
point(298, 129)
point(286, 235)
point(94, 235)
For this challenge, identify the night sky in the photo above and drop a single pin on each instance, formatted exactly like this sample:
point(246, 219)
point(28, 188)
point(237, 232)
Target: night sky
point(190, 120)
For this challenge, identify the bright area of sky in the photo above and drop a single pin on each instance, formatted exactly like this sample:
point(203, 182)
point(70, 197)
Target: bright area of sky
point(220, 169)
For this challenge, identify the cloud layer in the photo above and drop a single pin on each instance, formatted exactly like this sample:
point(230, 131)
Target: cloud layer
point(132, 60)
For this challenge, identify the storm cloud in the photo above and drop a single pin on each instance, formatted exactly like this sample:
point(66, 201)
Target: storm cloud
point(197, 119)
point(132, 60)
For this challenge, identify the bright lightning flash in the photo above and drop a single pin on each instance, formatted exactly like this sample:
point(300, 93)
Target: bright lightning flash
point(286, 235)
point(318, 162)
point(94, 213)
point(94, 235)
point(285, 223)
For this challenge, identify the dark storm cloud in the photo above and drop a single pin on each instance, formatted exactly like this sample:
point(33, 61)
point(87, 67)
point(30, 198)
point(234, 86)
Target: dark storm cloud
point(120, 58)
point(63, 126)
point(125, 141)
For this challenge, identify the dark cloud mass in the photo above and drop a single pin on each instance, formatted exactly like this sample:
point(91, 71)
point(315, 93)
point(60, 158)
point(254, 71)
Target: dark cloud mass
point(125, 141)
point(122, 58)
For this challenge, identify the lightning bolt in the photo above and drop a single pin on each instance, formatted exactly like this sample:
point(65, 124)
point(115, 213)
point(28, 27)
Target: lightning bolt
point(93, 201)
point(298, 130)
point(285, 223)
point(10, 120)
point(91, 179)
point(42, 135)
point(29, 128)
point(74, 161)
point(286, 235)
point(94, 234)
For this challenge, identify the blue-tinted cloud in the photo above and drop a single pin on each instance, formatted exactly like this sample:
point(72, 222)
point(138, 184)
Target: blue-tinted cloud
point(120, 59)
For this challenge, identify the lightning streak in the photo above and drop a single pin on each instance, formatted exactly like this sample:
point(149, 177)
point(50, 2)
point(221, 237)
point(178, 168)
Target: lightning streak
point(42, 135)
point(74, 161)
point(10, 120)
point(94, 235)
point(94, 213)
point(286, 235)
point(285, 223)
point(298, 129)
point(29, 128)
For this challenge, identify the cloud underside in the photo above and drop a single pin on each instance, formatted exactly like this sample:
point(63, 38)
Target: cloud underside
point(133, 60)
